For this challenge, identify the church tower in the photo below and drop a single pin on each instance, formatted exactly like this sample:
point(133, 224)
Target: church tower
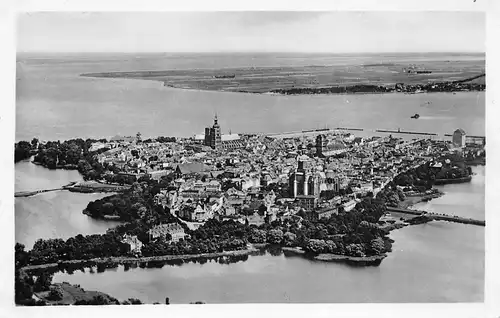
point(217, 139)
point(213, 137)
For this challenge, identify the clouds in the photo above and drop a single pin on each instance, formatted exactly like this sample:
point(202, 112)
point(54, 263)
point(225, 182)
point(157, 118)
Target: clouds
point(252, 31)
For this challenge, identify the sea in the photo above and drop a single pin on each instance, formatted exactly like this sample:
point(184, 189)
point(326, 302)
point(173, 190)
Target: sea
point(53, 102)
point(434, 262)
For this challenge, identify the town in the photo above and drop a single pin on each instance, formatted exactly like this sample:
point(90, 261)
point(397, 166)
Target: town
point(254, 179)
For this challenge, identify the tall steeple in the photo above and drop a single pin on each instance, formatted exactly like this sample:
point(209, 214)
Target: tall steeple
point(216, 123)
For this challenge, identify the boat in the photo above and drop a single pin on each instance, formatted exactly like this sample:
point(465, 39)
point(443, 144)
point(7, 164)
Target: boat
point(416, 116)
point(225, 76)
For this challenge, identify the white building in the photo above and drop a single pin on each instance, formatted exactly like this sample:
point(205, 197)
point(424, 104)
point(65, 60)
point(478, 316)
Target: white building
point(134, 243)
point(459, 138)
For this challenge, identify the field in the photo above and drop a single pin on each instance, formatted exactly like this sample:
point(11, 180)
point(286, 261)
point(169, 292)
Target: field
point(267, 79)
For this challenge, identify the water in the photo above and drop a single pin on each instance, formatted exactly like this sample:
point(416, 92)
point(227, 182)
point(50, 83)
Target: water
point(53, 214)
point(468, 196)
point(31, 177)
point(54, 102)
point(437, 262)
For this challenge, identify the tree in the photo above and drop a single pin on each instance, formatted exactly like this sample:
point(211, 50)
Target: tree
point(316, 246)
point(355, 250)
point(135, 301)
point(42, 282)
point(55, 294)
point(289, 239)
point(275, 236)
point(257, 236)
point(21, 256)
point(331, 247)
point(23, 287)
point(377, 246)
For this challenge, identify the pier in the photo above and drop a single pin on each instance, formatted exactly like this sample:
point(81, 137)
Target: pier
point(311, 132)
point(405, 132)
point(439, 217)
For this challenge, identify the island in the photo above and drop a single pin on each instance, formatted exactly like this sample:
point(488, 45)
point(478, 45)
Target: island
point(465, 74)
point(182, 199)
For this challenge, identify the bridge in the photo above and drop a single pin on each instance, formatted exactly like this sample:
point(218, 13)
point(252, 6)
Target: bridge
point(32, 193)
point(439, 217)
point(35, 192)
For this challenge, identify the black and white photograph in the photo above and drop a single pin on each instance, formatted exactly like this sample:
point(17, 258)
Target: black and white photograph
point(249, 157)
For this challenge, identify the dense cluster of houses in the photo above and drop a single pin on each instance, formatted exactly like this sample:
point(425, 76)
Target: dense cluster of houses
point(269, 178)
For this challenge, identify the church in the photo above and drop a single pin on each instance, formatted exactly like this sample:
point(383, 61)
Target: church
point(213, 136)
point(216, 140)
point(303, 182)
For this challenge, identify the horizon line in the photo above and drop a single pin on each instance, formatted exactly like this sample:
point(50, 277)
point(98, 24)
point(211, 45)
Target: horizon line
point(243, 52)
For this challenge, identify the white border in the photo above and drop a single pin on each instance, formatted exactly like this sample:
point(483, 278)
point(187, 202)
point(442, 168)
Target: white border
point(490, 308)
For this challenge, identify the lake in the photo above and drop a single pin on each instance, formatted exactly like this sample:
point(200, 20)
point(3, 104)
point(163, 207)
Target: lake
point(53, 214)
point(435, 262)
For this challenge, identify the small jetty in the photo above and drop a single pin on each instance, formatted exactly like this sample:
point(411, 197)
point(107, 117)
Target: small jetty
point(439, 217)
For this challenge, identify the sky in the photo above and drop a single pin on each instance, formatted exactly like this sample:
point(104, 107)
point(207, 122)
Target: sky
point(266, 31)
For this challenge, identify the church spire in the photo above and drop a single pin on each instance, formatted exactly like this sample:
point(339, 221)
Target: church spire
point(216, 121)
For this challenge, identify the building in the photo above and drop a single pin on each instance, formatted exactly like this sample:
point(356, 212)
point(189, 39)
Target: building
point(213, 137)
point(307, 202)
point(199, 213)
point(175, 230)
point(302, 182)
point(459, 137)
point(322, 214)
point(190, 168)
point(325, 148)
point(133, 242)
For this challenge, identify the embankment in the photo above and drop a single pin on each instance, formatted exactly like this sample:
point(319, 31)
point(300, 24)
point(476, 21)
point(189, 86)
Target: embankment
point(135, 260)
